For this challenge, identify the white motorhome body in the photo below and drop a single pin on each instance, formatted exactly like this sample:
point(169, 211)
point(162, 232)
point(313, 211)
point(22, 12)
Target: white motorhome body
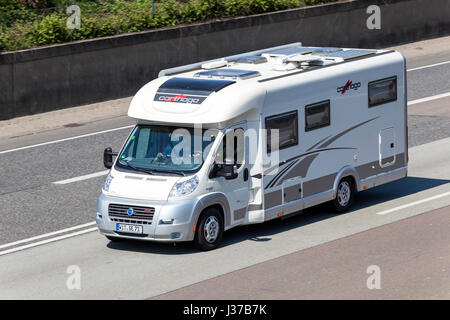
point(320, 124)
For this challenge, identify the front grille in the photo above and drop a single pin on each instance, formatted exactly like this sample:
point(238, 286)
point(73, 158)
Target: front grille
point(120, 211)
point(131, 221)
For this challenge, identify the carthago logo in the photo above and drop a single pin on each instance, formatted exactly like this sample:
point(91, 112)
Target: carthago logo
point(180, 98)
point(349, 85)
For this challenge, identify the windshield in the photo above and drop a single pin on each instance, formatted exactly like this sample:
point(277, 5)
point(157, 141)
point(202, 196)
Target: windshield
point(156, 149)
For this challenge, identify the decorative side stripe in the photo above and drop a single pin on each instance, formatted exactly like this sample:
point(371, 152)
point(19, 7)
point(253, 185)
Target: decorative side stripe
point(307, 163)
point(275, 179)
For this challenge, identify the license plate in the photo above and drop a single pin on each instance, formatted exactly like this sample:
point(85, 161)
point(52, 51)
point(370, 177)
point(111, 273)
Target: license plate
point(129, 228)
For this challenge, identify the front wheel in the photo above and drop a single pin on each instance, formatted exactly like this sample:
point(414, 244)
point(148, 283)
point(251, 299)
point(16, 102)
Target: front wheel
point(209, 231)
point(345, 195)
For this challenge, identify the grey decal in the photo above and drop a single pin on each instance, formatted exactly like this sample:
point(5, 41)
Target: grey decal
point(275, 179)
point(240, 213)
point(373, 168)
point(253, 207)
point(318, 185)
point(304, 154)
point(272, 199)
point(292, 193)
point(300, 169)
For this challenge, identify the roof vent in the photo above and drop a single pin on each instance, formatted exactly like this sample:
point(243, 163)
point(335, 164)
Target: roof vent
point(251, 59)
point(285, 66)
point(214, 64)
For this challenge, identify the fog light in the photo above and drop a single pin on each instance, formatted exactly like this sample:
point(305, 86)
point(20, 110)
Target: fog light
point(166, 221)
point(175, 235)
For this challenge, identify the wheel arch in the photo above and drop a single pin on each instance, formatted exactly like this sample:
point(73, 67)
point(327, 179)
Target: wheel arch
point(347, 171)
point(217, 200)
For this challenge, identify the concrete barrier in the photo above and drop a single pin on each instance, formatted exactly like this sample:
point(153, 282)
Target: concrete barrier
point(61, 76)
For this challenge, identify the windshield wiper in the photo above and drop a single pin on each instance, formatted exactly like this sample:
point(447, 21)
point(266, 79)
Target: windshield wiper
point(137, 169)
point(168, 171)
point(151, 171)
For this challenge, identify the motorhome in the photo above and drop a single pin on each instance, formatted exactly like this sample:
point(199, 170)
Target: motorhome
point(253, 137)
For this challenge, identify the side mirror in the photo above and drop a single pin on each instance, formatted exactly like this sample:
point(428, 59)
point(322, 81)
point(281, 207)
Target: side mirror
point(228, 171)
point(108, 158)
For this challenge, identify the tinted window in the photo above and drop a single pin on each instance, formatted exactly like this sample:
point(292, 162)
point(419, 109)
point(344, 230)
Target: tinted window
point(382, 91)
point(287, 126)
point(317, 115)
point(193, 86)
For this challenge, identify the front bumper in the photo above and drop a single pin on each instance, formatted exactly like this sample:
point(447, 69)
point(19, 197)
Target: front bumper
point(181, 229)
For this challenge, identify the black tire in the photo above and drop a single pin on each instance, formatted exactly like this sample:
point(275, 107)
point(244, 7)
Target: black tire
point(345, 195)
point(211, 219)
point(114, 239)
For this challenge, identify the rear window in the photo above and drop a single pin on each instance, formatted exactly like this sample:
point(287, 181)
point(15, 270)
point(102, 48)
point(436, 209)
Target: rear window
point(382, 91)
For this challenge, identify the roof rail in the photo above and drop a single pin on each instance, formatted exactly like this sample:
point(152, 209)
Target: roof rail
point(198, 65)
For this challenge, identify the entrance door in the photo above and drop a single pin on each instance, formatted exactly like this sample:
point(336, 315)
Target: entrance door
point(387, 147)
point(233, 148)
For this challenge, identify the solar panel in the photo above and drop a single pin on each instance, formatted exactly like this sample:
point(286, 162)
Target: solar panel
point(289, 51)
point(325, 50)
point(349, 54)
point(228, 73)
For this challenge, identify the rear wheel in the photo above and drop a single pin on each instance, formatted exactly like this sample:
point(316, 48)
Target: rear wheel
point(209, 231)
point(345, 195)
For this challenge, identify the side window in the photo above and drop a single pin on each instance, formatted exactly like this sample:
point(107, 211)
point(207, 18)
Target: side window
point(287, 126)
point(317, 115)
point(382, 91)
point(232, 147)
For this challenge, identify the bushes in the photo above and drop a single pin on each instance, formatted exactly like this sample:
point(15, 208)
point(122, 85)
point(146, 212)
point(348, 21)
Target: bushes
point(30, 23)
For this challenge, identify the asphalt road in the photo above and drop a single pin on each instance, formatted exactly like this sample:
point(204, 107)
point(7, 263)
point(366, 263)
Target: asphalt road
point(31, 205)
point(423, 240)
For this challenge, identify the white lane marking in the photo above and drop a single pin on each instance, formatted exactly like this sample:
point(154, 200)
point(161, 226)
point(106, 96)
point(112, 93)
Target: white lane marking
point(35, 244)
point(438, 96)
point(429, 66)
point(11, 244)
point(414, 203)
point(66, 139)
point(81, 178)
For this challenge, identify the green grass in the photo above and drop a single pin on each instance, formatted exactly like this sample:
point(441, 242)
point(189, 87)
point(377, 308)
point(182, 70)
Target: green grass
point(31, 23)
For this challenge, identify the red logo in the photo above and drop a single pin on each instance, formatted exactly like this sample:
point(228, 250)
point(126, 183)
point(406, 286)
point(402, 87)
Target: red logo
point(180, 96)
point(349, 82)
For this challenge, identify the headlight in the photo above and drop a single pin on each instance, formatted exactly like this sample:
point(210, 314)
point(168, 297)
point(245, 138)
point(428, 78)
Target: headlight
point(184, 188)
point(108, 181)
